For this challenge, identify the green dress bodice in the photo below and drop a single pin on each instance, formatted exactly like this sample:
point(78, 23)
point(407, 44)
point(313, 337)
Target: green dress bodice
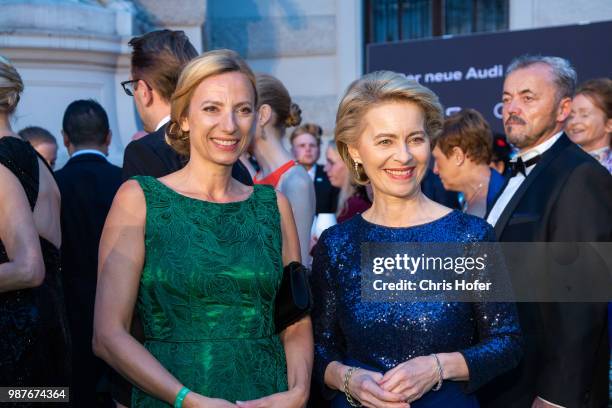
point(207, 291)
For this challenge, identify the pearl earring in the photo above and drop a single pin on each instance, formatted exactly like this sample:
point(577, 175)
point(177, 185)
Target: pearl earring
point(356, 167)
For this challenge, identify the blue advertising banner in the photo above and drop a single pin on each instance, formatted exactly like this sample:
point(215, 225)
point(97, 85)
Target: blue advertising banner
point(468, 71)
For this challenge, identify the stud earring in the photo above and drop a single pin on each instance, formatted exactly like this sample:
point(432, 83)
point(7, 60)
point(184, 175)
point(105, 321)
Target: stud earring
point(356, 167)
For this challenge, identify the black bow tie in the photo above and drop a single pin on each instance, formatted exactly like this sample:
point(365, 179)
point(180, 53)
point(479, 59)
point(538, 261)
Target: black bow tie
point(520, 166)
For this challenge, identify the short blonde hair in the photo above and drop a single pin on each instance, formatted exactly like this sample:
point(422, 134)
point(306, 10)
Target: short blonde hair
point(209, 64)
point(11, 86)
point(370, 90)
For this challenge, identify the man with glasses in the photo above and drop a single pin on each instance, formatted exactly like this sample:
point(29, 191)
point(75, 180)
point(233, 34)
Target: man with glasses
point(157, 60)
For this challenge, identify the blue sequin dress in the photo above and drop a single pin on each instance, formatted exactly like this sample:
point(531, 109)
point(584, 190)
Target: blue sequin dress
point(380, 336)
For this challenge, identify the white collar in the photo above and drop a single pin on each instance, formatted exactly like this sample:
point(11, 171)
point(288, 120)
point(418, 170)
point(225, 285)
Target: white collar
point(87, 151)
point(162, 122)
point(313, 171)
point(541, 148)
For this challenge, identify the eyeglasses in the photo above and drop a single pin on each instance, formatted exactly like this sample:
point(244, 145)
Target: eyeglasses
point(130, 86)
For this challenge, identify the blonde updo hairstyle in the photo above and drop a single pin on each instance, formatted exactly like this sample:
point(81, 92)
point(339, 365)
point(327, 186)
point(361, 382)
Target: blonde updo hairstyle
point(209, 64)
point(11, 86)
point(272, 92)
point(373, 89)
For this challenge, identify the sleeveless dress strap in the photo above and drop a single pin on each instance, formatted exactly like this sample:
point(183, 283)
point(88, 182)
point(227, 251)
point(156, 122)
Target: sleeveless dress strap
point(21, 159)
point(274, 177)
point(143, 181)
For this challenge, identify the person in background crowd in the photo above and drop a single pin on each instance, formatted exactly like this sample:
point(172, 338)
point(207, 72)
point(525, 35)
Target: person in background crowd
point(462, 154)
point(157, 60)
point(391, 354)
point(276, 113)
point(557, 193)
point(88, 183)
point(202, 255)
point(139, 135)
point(156, 63)
point(353, 199)
point(43, 142)
point(501, 154)
point(590, 121)
point(306, 147)
point(34, 337)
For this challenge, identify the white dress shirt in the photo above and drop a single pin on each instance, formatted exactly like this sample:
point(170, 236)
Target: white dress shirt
point(515, 182)
point(162, 122)
point(312, 172)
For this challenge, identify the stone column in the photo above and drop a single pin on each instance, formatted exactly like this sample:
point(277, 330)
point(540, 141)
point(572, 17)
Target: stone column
point(67, 50)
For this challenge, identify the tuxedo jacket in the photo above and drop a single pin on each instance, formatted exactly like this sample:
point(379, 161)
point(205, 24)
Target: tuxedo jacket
point(567, 197)
point(87, 184)
point(152, 156)
point(326, 194)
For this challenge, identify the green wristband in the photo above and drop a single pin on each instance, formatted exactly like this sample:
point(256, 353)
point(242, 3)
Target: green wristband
point(178, 402)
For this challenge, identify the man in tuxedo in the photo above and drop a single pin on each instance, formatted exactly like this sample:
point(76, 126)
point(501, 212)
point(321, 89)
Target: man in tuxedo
point(306, 147)
point(87, 183)
point(556, 193)
point(157, 60)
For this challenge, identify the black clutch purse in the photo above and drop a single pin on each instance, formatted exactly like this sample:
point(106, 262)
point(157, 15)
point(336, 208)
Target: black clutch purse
point(293, 300)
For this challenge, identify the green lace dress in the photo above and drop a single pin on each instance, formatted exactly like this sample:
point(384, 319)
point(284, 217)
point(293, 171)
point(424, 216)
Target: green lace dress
point(206, 296)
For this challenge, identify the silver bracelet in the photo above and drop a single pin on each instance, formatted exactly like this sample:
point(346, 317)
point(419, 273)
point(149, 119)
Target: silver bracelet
point(440, 373)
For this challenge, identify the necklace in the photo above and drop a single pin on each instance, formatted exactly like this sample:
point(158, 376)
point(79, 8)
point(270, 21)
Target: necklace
point(468, 201)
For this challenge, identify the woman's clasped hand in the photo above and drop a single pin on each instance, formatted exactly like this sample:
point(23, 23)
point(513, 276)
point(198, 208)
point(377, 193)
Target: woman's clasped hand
point(366, 386)
point(412, 378)
point(405, 383)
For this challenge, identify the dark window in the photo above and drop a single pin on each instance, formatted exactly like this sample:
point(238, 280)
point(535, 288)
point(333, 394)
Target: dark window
point(393, 20)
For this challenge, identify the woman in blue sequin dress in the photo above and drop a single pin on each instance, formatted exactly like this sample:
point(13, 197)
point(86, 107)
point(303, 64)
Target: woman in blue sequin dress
point(390, 353)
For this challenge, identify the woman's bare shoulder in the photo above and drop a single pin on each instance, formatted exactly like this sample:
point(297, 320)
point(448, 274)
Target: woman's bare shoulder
point(130, 199)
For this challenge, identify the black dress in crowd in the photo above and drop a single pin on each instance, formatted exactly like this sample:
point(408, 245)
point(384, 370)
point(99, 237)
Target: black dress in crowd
point(34, 339)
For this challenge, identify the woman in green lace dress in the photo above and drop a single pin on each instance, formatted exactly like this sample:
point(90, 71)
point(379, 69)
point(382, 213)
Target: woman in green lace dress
point(201, 257)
